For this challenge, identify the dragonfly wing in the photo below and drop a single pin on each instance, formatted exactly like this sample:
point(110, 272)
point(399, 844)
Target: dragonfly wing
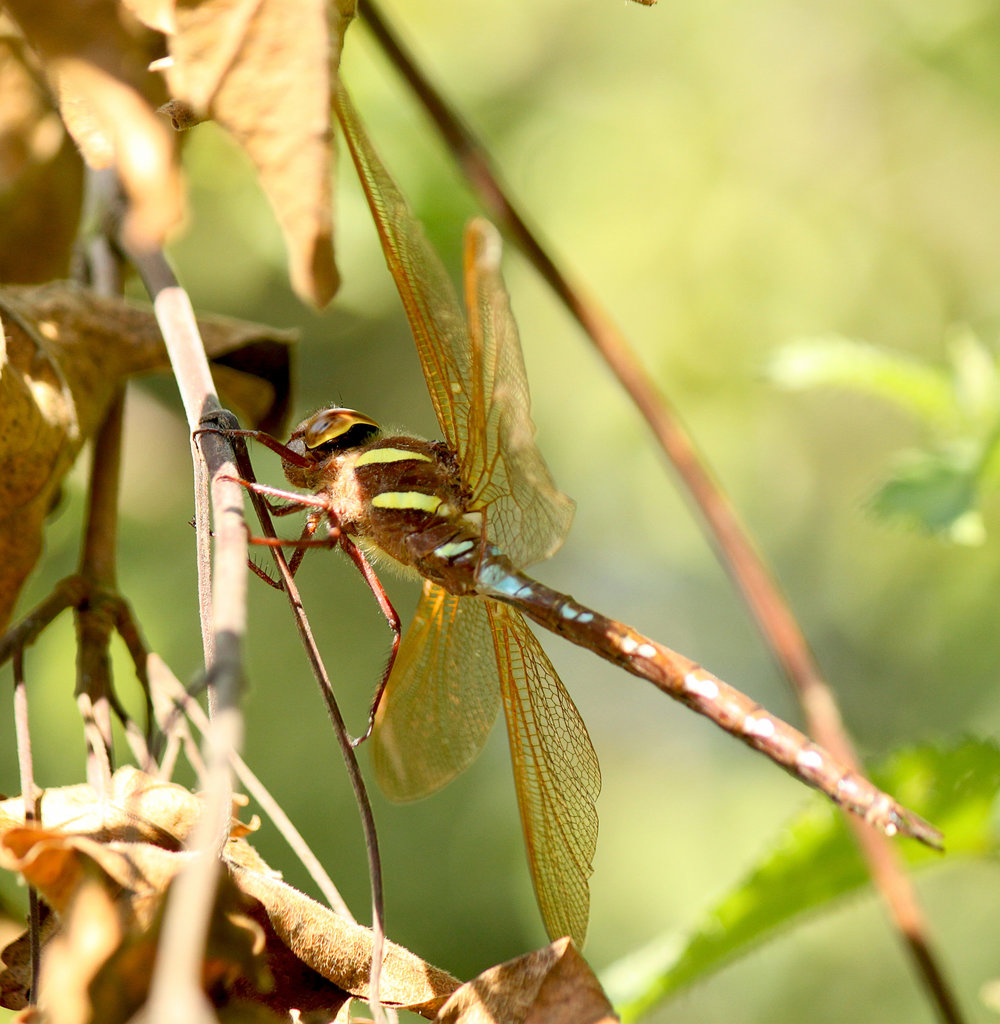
point(556, 775)
point(428, 296)
point(441, 699)
point(527, 517)
point(475, 373)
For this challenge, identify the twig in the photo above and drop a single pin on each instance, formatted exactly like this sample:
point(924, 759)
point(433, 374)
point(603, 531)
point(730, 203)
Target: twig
point(175, 992)
point(94, 617)
point(67, 593)
point(340, 731)
point(180, 698)
point(723, 528)
point(97, 615)
point(30, 797)
point(171, 721)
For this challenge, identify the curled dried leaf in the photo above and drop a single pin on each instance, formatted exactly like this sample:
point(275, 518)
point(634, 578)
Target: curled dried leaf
point(98, 964)
point(341, 951)
point(15, 978)
point(262, 69)
point(41, 175)
point(553, 985)
point(270, 946)
point(92, 929)
point(57, 864)
point(137, 808)
point(63, 354)
point(97, 57)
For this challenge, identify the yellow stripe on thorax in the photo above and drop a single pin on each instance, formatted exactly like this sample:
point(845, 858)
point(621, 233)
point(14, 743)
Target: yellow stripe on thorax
point(374, 455)
point(412, 500)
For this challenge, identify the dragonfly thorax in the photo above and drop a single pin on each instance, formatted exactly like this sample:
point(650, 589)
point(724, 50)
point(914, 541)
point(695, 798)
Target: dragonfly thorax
point(397, 493)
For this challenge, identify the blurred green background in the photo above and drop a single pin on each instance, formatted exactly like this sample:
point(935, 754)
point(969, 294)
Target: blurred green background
point(725, 177)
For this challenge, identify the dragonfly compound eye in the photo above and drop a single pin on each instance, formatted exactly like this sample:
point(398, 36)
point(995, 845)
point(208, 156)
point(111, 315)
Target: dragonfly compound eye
point(336, 429)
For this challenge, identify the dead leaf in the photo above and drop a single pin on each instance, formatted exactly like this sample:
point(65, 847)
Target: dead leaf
point(136, 808)
point(92, 930)
point(63, 354)
point(157, 14)
point(41, 175)
point(341, 951)
point(262, 69)
point(269, 946)
point(97, 966)
point(553, 985)
point(15, 978)
point(57, 864)
point(97, 56)
point(234, 963)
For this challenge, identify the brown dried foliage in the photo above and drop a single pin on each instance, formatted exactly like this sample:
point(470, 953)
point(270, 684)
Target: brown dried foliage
point(104, 867)
point(64, 351)
point(263, 69)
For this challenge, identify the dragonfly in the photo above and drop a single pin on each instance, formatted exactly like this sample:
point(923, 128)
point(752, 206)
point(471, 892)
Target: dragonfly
point(468, 514)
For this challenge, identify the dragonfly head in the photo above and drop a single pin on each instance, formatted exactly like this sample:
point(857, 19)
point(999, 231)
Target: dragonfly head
point(324, 434)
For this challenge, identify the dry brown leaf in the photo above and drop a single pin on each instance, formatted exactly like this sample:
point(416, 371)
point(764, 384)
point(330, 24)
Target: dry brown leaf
point(341, 951)
point(96, 56)
point(41, 175)
point(97, 966)
point(136, 808)
point(57, 864)
point(262, 69)
point(157, 14)
point(269, 945)
point(553, 985)
point(234, 963)
point(63, 354)
point(92, 929)
point(15, 978)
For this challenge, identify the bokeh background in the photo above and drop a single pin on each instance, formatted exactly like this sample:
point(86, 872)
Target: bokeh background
point(725, 177)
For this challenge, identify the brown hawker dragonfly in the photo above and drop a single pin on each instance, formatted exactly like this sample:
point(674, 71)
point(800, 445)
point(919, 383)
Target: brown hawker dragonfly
point(468, 515)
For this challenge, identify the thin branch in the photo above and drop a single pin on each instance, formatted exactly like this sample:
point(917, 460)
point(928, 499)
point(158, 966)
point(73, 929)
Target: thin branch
point(30, 797)
point(720, 522)
point(67, 593)
point(95, 619)
point(171, 721)
point(339, 728)
point(95, 616)
point(181, 699)
point(175, 992)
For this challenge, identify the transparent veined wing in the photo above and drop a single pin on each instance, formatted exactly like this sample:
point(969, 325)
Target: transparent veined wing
point(556, 775)
point(441, 699)
point(528, 517)
point(427, 293)
point(474, 372)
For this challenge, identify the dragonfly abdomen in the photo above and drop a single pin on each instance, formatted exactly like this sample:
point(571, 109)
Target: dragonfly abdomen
point(686, 681)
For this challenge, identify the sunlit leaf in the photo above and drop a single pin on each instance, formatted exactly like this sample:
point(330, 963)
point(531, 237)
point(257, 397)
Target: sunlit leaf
point(934, 491)
point(41, 174)
point(814, 863)
point(834, 361)
point(232, 61)
point(976, 382)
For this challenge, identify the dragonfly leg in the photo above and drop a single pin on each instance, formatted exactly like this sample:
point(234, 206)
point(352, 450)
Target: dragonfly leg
point(304, 541)
point(293, 501)
point(375, 585)
point(276, 446)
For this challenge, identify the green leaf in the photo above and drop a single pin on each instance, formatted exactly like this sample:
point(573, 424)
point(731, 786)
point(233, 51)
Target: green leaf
point(936, 492)
point(975, 380)
point(834, 361)
point(814, 863)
